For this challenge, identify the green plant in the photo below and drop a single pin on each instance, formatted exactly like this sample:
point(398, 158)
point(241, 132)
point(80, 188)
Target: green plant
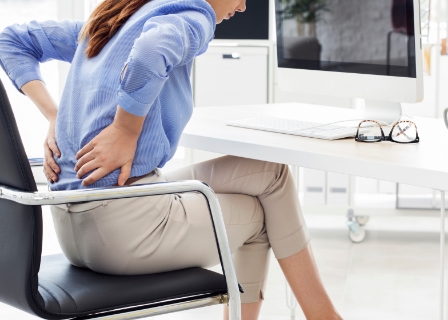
point(304, 11)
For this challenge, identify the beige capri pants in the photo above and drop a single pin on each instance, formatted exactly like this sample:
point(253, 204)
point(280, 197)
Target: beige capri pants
point(144, 235)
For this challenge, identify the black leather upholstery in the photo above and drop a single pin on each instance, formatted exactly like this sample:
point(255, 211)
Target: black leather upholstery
point(70, 291)
point(60, 290)
point(20, 225)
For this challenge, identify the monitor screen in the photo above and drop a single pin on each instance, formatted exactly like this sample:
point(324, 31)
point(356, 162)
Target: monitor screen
point(352, 36)
point(253, 24)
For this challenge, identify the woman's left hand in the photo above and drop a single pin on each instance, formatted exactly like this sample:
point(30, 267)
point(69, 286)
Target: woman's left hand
point(113, 148)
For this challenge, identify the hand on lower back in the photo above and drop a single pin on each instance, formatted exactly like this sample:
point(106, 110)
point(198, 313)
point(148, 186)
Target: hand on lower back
point(113, 148)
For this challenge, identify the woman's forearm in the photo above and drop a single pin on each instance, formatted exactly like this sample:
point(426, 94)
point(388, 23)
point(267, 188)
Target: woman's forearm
point(37, 91)
point(128, 123)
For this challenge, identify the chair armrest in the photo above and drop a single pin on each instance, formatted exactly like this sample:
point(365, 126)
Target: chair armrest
point(99, 194)
point(36, 162)
point(141, 190)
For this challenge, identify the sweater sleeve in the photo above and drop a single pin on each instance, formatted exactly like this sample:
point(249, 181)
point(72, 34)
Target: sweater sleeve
point(23, 47)
point(167, 41)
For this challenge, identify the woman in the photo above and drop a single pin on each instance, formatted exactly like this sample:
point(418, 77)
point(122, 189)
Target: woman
point(126, 101)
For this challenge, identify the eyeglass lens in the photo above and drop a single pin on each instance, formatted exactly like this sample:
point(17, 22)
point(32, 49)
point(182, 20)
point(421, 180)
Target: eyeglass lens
point(369, 131)
point(404, 131)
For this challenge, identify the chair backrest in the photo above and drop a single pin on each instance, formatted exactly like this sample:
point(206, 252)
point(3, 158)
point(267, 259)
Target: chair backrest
point(20, 225)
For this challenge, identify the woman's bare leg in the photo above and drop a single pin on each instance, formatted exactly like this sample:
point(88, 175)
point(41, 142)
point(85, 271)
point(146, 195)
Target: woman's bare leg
point(303, 277)
point(249, 311)
point(301, 272)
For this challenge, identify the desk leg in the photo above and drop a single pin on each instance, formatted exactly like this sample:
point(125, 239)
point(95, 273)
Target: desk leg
point(442, 252)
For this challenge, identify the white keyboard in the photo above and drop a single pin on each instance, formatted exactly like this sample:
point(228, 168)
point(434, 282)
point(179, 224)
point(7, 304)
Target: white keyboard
point(295, 127)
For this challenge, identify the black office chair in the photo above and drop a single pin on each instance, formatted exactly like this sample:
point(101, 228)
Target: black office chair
point(51, 288)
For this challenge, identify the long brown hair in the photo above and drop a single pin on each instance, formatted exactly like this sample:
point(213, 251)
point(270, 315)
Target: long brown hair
point(104, 22)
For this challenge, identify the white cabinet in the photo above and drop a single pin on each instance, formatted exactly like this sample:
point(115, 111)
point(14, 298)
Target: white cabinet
point(231, 75)
point(325, 188)
point(228, 76)
point(314, 187)
point(338, 189)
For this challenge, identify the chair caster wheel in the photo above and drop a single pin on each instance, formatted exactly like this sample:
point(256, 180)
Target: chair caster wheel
point(357, 238)
point(362, 220)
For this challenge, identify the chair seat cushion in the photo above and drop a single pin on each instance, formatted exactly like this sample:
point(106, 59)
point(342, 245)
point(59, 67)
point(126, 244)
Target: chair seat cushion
point(71, 291)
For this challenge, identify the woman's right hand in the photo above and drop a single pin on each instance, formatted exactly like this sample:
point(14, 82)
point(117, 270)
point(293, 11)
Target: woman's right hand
point(51, 169)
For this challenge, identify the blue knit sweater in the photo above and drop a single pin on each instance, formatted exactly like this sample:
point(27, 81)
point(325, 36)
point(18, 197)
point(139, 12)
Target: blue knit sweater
point(157, 44)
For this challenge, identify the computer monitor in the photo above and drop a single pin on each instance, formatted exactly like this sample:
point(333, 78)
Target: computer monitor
point(369, 49)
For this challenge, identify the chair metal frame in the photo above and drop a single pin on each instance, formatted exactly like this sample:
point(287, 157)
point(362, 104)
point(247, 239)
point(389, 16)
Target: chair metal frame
point(141, 190)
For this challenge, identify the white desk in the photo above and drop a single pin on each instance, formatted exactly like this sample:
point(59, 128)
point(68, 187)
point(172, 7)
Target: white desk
point(422, 164)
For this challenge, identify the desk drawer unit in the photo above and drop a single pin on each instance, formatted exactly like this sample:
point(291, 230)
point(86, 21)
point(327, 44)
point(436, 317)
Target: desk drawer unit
point(231, 75)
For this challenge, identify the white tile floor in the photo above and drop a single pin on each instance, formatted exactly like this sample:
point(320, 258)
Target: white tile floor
point(393, 274)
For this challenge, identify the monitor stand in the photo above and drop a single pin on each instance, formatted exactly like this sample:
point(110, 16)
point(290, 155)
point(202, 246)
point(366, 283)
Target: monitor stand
point(382, 111)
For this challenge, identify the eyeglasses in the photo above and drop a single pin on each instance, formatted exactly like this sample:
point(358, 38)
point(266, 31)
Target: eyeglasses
point(402, 132)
